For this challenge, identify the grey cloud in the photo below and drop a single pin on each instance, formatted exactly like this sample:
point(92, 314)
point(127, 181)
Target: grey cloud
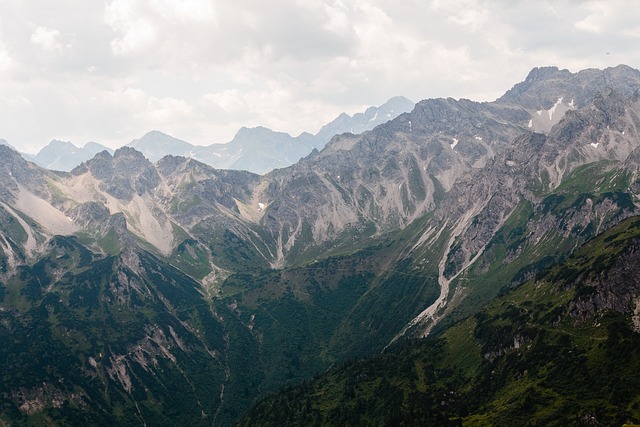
point(287, 64)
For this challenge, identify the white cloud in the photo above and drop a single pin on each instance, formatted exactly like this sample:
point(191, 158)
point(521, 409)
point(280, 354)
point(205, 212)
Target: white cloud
point(110, 71)
point(163, 111)
point(337, 18)
point(144, 26)
point(607, 18)
point(15, 102)
point(230, 100)
point(185, 10)
point(47, 38)
point(632, 32)
point(5, 60)
point(596, 19)
point(136, 30)
point(468, 14)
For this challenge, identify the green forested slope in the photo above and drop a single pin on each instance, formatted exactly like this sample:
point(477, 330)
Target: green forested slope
point(560, 349)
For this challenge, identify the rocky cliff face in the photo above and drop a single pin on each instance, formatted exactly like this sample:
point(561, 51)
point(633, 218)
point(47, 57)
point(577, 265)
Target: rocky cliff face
point(122, 175)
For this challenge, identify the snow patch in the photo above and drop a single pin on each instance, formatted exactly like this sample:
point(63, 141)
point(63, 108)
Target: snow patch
point(454, 143)
point(478, 138)
point(571, 104)
point(539, 112)
point(373, 119)
point(595, 144)
point(530, 123)
point(553, 109)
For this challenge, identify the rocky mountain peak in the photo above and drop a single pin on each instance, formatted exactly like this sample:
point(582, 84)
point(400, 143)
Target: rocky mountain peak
point(130, 154)
point(542, 73)
point(253, 135)
point(124, 174)
point(360, 122)
point(64, 155)
point(15, 170)
point(94, 147)
point(547, 87)
point(57, 144)
point(156, 144)
point(9, 156)
point(398, 104)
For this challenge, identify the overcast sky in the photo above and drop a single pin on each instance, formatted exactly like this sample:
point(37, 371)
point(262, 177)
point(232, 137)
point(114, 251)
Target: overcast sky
point(110, 70)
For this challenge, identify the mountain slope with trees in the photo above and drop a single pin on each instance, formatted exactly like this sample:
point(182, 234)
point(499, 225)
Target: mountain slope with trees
point(561, 349)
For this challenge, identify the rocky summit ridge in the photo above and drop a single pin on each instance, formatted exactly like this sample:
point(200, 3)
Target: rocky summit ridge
point(392, 233)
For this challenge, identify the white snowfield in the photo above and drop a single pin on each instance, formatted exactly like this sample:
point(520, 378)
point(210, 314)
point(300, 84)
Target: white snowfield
point(540, 122)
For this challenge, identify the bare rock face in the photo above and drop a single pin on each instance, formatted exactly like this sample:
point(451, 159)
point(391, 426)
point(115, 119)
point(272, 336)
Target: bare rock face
point(15, 171)
point(90, 214)
point(543, 86)
point(124, 174)
point(484, 156)
point(468, 163)
point(616, 289)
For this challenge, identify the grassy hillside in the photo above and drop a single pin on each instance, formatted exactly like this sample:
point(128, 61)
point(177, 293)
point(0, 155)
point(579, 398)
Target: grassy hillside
point(560, 349)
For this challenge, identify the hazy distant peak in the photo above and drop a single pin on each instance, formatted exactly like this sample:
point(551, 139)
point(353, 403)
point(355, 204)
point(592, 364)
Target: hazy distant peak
point(155, 132)
point(257, 149)
point(244, 132)
point(399, 99)
point(399, 103)
point(155, 136)
point(64, 155)
point(360, 122)
point(155, 145)
point(56, 143)
point(94, 147)
point(305, 134)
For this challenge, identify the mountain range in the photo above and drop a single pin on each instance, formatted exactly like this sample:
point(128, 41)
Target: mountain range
point(140, 292)
point(258, 149)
